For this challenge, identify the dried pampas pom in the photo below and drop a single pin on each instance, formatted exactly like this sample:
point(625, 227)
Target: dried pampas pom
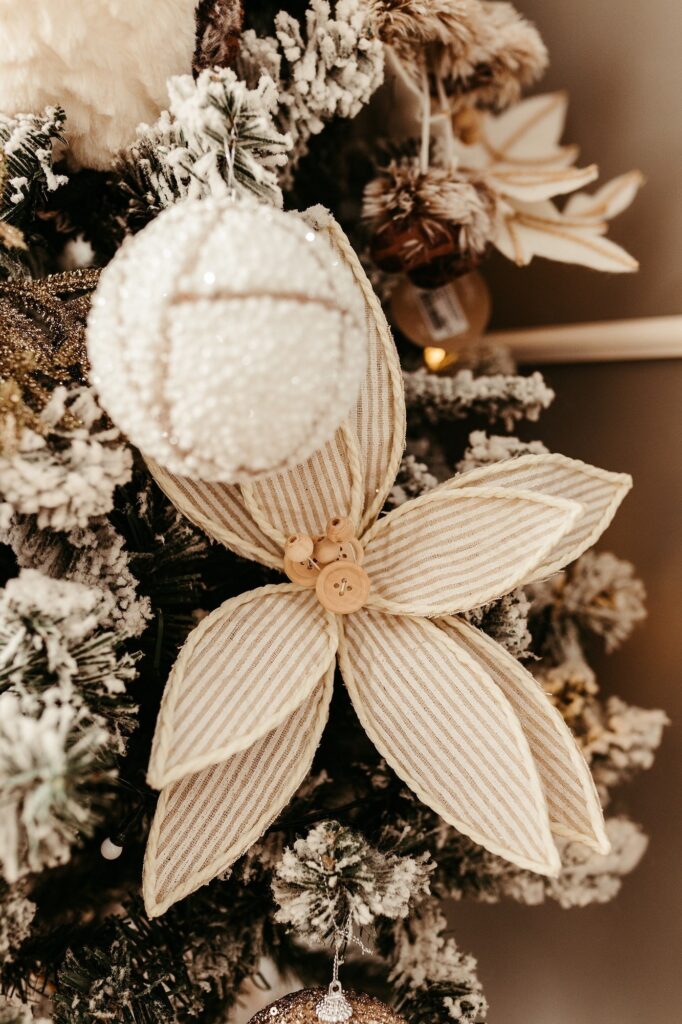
point(509, 56)
point(484, 51)
point(414, 23)
point(219, 28)
point(414, 212)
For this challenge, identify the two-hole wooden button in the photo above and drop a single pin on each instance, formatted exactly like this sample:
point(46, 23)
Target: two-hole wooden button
point(342, 587)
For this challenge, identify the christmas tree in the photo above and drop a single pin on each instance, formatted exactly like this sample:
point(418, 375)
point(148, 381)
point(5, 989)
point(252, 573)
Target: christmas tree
point(204, 490)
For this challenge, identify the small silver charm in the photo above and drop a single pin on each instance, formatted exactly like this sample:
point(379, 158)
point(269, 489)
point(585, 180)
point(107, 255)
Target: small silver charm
point(334, 1006)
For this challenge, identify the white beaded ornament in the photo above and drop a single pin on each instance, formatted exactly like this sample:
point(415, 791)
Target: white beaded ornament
point(227, 340)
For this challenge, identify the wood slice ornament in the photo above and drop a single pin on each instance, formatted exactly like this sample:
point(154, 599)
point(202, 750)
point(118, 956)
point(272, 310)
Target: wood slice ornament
point(301, 1008)
point(457, 718)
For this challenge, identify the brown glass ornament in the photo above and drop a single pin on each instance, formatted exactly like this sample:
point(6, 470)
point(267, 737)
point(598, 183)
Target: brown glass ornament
point(450, 317)
point(428, 251)
point(299, 1008)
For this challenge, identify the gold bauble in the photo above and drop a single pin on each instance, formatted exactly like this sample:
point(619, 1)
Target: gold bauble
point(299, 1008)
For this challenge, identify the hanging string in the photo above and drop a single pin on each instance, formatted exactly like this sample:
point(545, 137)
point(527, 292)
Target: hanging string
point(426, 120)
point(450, 152)
point(231, 154)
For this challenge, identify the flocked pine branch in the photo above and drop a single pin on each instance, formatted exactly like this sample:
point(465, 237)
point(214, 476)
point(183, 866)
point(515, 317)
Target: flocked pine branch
point(599, 594)
point(217, 135)
point(498, 397)
point(433, 981)
point(506, 621)
point(413, 479)
point(26, 157)
point(55, 762)
point(485, 449)
point(334, 882)
point(329, 67)
point(586, 877)
point(63, 475)
point(55, 638)
point(187, 965)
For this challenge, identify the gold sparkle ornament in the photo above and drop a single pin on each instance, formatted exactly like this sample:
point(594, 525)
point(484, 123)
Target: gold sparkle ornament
point(302, 1008)
point(42, 344)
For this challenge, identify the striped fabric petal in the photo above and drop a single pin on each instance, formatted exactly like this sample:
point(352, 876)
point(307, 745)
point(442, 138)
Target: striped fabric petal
point(303, 499)
point(574, 809)
point(241, 673)
point(204, 822)
point(448, 731)
point(598, 491)
point(379, 419)
point(219, 511)
point(449, 551)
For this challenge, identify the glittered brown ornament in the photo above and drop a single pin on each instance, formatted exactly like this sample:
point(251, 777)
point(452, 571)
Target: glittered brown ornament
point(301, 1008)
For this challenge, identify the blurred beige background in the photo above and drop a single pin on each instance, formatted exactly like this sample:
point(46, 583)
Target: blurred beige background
point(620, 61)
point(619, 963)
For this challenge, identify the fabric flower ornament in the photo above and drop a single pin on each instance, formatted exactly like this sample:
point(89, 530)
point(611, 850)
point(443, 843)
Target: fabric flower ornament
point(456, 717)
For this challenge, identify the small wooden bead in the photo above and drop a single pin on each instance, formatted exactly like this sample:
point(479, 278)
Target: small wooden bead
point(299, 548)
point(325, 551)
point(339, 529)
point(342, 587)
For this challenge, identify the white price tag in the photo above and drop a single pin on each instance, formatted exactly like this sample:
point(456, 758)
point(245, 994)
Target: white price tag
point(441, 312)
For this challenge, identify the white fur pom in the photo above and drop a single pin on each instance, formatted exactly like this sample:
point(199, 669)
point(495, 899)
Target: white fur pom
point(105, 61)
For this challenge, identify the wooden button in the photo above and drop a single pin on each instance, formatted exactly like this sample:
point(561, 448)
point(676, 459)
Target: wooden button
point(340, 529)
point(304, 572)
point(299, 548)
point(351, 551)
point(342, 587)
point(325, 551)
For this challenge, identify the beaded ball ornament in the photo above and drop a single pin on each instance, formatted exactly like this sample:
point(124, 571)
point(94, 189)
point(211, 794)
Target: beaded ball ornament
point(227, 340)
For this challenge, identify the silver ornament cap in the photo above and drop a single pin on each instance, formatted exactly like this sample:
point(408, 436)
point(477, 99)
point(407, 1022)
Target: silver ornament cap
point(334, 1006)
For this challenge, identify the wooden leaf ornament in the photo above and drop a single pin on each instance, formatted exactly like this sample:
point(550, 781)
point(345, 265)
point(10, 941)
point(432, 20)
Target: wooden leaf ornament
point(458, 719)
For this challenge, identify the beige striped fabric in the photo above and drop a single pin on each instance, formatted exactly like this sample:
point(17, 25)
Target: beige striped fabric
point(219, 511)
point(452, 550)
point(204, 822)
point(304, 498)
point(574, 808)
point(598, 491)
point(379, 418)
point(449, 733)
point(242, 671)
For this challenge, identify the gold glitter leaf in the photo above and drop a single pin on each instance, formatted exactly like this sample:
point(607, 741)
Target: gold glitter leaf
point(42, 337)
